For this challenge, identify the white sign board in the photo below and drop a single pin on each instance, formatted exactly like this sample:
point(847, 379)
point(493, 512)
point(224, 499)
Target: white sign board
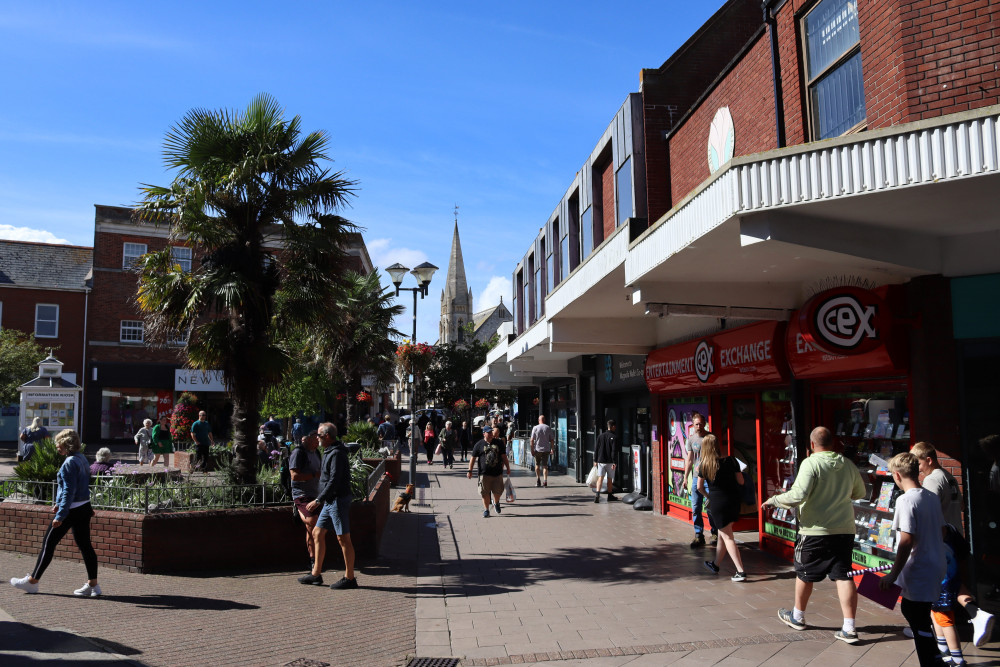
point(637, 468)
point(187, 379)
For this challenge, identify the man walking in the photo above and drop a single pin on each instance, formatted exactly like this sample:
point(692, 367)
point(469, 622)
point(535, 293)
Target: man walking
point(692, 462)
point(491, 459)
point(201, 434)
point(387, 433)
point(605, 453)
point(824, 489)
point(542, 439)
point(334, 505)
point(448, 439)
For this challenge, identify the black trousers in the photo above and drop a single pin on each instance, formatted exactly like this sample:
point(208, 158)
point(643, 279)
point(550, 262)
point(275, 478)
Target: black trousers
point(918, 615)
point(78, 520)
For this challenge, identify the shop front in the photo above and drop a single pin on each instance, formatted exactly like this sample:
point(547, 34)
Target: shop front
point(738, 380)
point(559, 407)
point(622, 395)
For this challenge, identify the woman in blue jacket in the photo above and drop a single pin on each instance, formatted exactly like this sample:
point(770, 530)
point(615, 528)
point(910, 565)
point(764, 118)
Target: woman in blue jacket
point(73, 511)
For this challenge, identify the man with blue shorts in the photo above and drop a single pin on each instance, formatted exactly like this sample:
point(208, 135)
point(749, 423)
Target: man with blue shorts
point(334, 505)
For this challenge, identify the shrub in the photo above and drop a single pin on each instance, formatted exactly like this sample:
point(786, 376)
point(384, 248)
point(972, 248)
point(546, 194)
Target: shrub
point(184, 415)
point(44, 464)
point(363, 433)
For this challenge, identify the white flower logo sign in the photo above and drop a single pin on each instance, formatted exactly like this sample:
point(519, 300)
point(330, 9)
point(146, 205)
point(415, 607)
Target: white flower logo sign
point(721, 139)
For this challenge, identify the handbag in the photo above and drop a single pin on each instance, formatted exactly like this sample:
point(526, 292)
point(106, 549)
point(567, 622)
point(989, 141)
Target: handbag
point(592, 477)
point(440, 449)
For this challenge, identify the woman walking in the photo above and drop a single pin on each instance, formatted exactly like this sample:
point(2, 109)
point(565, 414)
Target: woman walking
point(162, 444)
point(73, 512)
point(144, 437)
point(429, 441)
point(724, 479)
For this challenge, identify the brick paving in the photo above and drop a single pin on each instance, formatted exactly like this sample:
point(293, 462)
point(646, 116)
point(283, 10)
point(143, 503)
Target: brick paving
point(553, 578)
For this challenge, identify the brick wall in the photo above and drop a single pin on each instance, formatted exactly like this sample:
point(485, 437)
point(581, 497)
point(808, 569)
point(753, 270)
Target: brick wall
point(748, 92)
point(19, 314)
point(657, 119)
point(608, 212)
point(189, 541)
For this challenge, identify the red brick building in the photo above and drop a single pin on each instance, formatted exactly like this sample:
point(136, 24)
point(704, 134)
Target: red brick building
point(43, 293)
point(130, 377)
point(820, 156)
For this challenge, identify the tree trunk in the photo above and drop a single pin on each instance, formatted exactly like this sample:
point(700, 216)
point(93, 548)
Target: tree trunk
point(245, 414)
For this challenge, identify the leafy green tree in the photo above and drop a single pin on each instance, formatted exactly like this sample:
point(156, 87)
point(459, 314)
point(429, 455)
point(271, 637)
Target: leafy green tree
point(252, 192)
point(450, 376)
point(19, 357)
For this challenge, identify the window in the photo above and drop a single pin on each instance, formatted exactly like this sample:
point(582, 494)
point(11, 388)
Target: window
point(1, 314)
point(586, 233)
point(46, 320)
point(181, 255)
point(833, 68)
point(624, 184)
point(131, 331)
point(550, 262)
point(529, 298)
point(178, 338)
point(131, 252)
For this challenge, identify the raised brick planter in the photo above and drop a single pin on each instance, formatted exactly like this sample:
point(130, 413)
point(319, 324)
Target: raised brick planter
point(191, 541)
point(393, 466)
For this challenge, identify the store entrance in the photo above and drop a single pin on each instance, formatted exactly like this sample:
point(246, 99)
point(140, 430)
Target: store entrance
point(743, 436)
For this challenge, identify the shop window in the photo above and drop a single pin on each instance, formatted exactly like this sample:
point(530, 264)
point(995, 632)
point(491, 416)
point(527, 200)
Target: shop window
point(624, 184)
point(131, 331)
point(836, 94)
point(586, 233)
point(181, 255)
point(123, 410)
point(131, 252)
point(46, 320)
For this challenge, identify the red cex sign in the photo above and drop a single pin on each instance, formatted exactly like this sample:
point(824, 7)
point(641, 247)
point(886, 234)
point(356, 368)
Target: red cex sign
point(753, 354)
point(846, 320)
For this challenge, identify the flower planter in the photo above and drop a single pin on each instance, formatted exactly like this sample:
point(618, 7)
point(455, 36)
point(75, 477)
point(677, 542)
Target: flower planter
point(183, 460)
point(393, 466)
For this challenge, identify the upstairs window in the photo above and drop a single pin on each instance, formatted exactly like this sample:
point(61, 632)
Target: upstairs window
point(131, 331)
point(563, 252)
point(131, 252)
point(177, 338)
point(46, 320)
point(181, 255)
point(586, 233)
point(624, 184)
point(836, 93)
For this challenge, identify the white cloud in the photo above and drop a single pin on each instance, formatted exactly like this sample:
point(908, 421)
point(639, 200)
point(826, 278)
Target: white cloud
point(11, 233)
point(499, 286)
point(384, 253)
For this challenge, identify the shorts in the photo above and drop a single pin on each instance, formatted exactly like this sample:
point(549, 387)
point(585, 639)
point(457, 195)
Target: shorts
point(943, 617)
point(300, 505)
point(490, 484)
point(542, 459)
point(336, 516)
point(605, 470)
point(817, 556)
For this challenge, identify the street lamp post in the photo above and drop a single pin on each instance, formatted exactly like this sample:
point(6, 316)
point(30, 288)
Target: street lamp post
point(423, 274)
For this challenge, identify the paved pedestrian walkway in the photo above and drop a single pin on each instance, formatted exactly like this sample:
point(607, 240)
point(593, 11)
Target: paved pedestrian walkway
point(554, 581)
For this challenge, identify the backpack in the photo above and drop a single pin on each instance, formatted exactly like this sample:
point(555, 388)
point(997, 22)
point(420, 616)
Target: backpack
point(491, 457)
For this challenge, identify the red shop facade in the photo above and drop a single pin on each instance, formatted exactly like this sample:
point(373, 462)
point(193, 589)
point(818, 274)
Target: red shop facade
point(840, 362)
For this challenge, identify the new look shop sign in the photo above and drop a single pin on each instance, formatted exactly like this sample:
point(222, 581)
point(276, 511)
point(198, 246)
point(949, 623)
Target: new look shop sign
point(187, 379)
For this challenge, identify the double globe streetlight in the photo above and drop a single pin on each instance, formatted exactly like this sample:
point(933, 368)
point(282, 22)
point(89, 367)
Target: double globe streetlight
point(423, 274)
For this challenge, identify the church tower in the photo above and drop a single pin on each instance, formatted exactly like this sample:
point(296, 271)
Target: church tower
point(456, 298)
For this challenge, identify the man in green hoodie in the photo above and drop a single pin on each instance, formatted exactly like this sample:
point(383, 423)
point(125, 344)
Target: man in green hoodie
point(824, 489)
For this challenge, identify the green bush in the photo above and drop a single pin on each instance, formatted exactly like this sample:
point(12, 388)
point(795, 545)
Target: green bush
point(44, 464)
point(363, 433)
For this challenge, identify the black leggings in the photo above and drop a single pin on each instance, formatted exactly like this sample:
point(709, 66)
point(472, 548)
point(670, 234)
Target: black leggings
point(918, 615)
point(78, 520)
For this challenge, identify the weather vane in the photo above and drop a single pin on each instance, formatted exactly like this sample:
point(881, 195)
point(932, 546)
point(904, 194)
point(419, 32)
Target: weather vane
point(456, 214)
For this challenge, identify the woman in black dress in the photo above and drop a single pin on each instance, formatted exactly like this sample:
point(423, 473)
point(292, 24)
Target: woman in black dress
point(724, 479)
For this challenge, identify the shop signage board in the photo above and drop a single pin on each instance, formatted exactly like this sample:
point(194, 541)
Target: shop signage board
point(749, 355)
point(187, 379)
point(619, 372)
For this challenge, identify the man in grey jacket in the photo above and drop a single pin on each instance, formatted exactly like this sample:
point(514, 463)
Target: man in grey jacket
point(334, 505)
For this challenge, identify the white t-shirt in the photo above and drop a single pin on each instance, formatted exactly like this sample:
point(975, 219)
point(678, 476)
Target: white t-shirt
point(942, 484)
point(918, 512)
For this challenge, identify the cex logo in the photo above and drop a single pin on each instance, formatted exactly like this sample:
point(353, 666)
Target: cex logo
point(704, 361)
point(845, 322)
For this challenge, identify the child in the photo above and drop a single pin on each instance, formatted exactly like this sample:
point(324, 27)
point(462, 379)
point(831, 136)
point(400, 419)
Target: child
point(920, 558)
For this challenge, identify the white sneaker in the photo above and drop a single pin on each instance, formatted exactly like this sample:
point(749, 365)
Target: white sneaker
point(982, 627)
point(88, 591)
point(25, 584)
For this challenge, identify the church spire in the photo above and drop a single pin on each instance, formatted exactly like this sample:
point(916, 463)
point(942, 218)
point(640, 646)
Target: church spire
point(456, 298)
point(456, 284)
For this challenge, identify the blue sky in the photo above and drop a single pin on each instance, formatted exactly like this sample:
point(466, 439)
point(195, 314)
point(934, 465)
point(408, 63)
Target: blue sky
point(491, 106)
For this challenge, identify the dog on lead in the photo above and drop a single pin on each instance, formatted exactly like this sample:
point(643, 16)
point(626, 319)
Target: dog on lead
point(402, 503)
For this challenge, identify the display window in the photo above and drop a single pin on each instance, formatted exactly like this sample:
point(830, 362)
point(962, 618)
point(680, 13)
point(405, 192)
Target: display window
point(779, 462)
point(678, 416)
point(54, 414)
point(124, 409)
point(870, 425)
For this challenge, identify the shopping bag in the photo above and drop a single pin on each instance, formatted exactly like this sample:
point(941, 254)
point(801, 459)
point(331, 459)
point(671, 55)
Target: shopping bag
point(509, 490)
point(592, 477)
point(869, 589)
point(440, 448)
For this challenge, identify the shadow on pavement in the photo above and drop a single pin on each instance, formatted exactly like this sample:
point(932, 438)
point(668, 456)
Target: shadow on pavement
point(178, 602)
point(40, 646)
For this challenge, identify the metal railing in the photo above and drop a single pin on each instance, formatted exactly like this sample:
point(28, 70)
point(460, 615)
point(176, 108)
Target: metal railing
point(150, 498)
point(373, 478)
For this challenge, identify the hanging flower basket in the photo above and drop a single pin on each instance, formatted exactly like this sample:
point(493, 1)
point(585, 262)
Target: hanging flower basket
point(341, 397)
point(534, 401)
point(364, 397)
point(461, 405)
point(414, 357)
point(482, 404)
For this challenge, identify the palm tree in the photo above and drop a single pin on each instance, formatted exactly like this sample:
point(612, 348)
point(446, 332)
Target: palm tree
point(368, 342)
point(251, 192)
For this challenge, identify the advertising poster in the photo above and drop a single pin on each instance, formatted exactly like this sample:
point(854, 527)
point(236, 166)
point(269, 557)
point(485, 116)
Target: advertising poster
point(637, 468)
point(562, 432)
point(678, 427)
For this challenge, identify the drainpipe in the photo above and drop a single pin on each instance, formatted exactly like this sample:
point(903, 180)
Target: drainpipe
point(779, 111)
